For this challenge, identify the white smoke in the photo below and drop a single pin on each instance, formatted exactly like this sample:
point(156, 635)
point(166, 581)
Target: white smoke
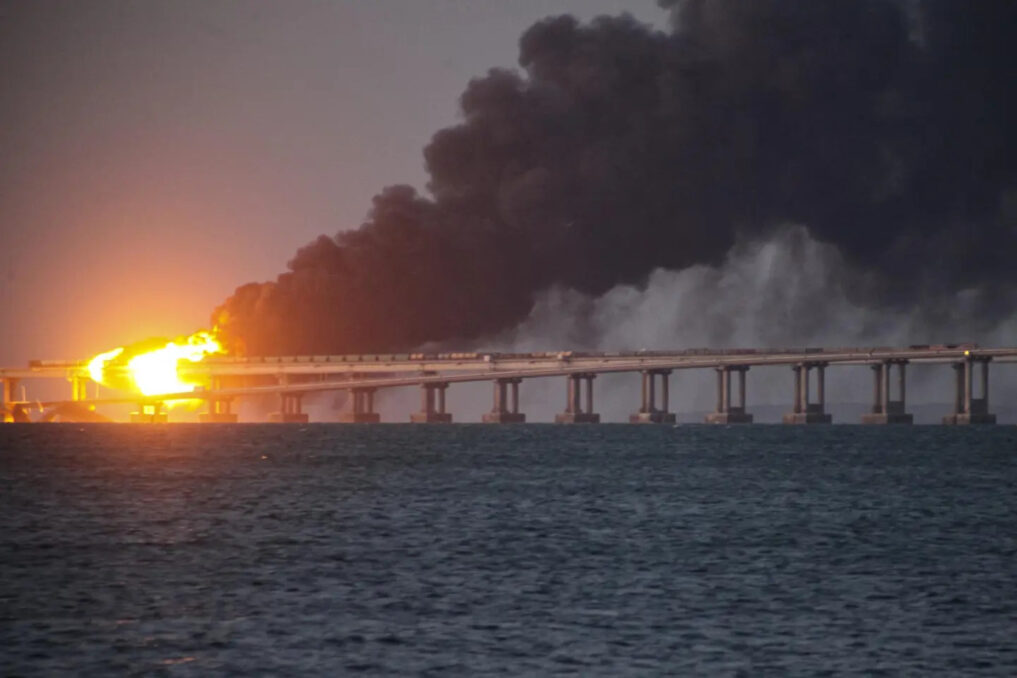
point(785, 291)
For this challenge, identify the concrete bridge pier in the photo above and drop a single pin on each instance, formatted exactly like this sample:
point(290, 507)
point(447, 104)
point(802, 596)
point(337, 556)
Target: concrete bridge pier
point(218, 408)
point(218, 412)
point(432, 405)
point(968, 409)
point(7, 410)
point(574, 412)
point(727, 413)
point(649, 412)
point(885, 410)
point(291, 411)
point(79, 388)
point(806, 412)
point(506, 403)
point(149, 413)
point(361, 408)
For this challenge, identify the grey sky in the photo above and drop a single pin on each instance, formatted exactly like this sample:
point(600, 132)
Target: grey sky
point(157, 154)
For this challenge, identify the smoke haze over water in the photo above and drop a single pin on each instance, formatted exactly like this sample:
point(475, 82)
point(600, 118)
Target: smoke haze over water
point(631, 188)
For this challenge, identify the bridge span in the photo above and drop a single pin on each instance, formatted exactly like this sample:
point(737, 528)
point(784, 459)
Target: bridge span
point(290, 378)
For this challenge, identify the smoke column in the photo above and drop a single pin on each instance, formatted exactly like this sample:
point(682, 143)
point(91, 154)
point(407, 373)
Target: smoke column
point(881, 127)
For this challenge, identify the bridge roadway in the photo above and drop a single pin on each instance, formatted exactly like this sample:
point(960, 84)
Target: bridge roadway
point(314, 374)
point(563, 360)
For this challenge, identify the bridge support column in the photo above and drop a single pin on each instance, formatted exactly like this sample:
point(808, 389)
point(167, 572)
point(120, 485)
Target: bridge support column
point(361, 408)
point(149, 413)
point(649, 413)
point(885, 410)
point(79, 388)
point(967, 408)
point(726, 412)
point(506, 403)
point(218, 408)
point(218, 412)
point(432, 405)
point(806, 412)
point(574, 412)
point(8, 411)
point(291, 411)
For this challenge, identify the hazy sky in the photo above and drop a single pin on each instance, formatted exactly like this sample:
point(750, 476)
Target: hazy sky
point(155, 155)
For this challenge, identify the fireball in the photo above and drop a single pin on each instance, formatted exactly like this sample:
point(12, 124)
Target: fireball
point(97, 365)
point(151, 367)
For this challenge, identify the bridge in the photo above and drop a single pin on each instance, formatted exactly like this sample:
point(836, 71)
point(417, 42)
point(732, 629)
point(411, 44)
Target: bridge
point(291, 378)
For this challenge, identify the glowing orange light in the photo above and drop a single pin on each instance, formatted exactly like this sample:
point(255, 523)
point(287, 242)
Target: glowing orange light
point(98, 364)
point(153, 371)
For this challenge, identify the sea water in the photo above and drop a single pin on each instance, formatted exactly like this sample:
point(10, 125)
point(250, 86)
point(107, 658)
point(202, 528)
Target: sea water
point(507, 550)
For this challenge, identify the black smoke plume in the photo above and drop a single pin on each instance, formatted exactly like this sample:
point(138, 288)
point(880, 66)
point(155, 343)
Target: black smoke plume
point(885, 127)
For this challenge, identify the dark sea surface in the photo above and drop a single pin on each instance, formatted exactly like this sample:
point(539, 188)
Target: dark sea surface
point(511, 550)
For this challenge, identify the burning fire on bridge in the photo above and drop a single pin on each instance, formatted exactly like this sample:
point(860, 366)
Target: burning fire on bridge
point(151, 367)
point(197, 370)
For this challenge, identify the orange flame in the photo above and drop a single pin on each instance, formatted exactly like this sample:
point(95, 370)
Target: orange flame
point(153, 371)
point(97, 365)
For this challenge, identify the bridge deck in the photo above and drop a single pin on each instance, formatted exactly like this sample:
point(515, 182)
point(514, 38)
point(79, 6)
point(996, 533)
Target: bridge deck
point(386, 371)
point(473, 362)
